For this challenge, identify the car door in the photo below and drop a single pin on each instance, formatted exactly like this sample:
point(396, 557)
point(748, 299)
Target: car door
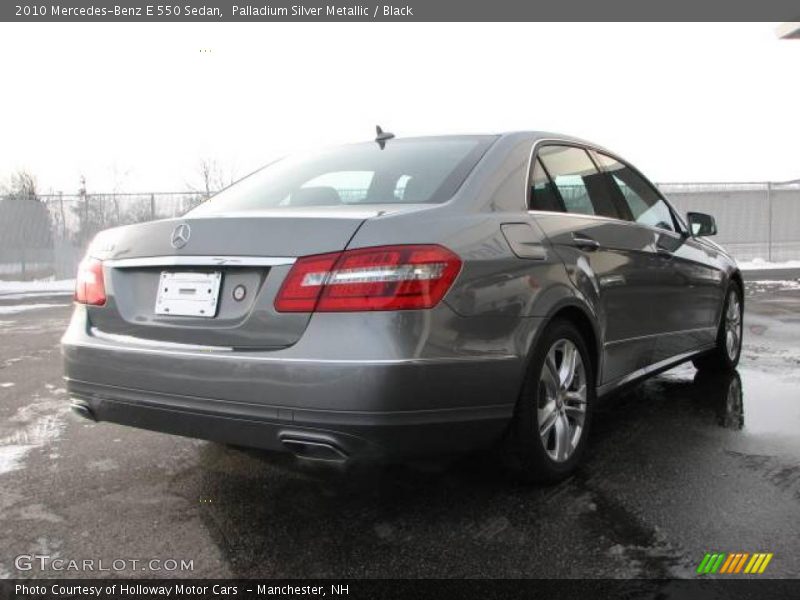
point(608, 259)
point(685, 280)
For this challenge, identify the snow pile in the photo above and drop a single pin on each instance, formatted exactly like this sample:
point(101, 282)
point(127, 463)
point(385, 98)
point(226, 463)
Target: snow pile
point(18, 308)
point(37, 287)
point(759, 263)
point(780, 285)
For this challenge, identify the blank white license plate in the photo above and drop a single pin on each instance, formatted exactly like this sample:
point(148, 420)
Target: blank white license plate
point(188, 294)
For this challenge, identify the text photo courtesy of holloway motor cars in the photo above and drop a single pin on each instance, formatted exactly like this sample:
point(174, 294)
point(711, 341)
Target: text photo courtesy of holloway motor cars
point(447, 300)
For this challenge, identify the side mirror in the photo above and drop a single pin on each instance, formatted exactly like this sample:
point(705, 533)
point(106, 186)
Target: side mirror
point(701, 224)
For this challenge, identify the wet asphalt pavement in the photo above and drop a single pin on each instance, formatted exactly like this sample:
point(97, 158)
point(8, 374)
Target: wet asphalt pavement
point(677, 467)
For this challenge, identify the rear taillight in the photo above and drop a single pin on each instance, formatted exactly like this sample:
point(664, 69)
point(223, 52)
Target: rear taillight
point(379, 278)
point(89, 284)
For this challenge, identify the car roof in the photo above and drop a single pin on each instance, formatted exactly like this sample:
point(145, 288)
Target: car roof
point(512, 136)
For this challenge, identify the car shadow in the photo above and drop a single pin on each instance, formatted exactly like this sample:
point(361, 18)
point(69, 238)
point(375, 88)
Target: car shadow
point(274, 517)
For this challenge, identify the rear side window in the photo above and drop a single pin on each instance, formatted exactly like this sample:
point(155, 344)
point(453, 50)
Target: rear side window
point(640, 198)
point(578, 185)
point(422, 170)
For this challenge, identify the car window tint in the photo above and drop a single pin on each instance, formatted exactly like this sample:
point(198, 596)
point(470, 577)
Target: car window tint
point(641, 199)
point(544, 196)
point(579, 184)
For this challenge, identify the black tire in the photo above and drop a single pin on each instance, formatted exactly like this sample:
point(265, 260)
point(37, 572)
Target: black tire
point(524, 449)
point(720, 359)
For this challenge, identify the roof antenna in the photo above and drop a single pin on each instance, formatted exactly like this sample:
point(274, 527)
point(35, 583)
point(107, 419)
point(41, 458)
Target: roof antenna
point(382, 136)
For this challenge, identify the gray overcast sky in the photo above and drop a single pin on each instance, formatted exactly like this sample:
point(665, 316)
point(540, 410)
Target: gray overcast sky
point(135, 107)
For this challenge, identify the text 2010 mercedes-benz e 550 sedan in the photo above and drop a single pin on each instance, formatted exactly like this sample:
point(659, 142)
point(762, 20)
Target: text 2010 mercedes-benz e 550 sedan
point(402, 298)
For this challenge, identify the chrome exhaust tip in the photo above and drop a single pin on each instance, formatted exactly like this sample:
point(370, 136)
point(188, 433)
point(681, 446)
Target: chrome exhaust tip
point(314, 450)
point(82, 409)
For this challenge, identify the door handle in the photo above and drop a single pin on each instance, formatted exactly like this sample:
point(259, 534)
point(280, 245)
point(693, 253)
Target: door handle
point(584, 242)
point(663, 253)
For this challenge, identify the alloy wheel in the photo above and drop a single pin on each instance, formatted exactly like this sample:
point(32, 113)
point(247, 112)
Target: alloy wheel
point(562, 400)
point(733, 325)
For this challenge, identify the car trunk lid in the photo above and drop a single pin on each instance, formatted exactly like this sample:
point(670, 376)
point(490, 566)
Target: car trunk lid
point(252, 254)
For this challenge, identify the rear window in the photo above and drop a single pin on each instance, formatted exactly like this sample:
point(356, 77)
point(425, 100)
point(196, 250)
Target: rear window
point(405, 171)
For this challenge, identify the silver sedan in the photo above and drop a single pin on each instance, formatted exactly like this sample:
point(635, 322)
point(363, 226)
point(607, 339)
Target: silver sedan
point(403, 298)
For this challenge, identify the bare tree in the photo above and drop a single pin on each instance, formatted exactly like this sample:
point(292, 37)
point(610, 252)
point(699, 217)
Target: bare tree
point(119, 177)
point(21, 185)
point(26, 236)
point(89, 211)
point(212, 177)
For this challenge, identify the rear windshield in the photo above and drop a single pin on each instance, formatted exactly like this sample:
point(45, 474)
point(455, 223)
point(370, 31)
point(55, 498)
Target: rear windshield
point(424, 170)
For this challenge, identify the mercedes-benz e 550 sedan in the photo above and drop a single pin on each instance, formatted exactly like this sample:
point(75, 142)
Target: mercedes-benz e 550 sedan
point(403, 298)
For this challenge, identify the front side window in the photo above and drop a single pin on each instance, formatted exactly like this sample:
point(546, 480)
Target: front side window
point(577, 181)
point(640, 198)
point(423, 170)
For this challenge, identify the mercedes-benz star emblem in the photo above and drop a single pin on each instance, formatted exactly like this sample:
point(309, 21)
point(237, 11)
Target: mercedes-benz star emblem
point(180, 235)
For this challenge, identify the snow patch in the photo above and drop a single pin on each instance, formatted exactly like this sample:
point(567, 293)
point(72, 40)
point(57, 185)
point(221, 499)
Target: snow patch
point(777, 284)
point(103, 466)
point(42, 423)
point(760, 263)
point(33, 295)
point(11, 457)
point(37, 287)
point(38, 512)
point(18, 308)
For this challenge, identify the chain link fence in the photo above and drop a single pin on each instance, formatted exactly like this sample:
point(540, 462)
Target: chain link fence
point(755, 220)
point(46, 236)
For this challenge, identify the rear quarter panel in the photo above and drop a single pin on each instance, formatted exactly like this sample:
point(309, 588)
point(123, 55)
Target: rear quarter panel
point(498, 292)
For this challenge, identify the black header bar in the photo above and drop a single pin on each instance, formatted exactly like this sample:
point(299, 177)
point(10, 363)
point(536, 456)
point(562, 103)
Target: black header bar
point(399, 11)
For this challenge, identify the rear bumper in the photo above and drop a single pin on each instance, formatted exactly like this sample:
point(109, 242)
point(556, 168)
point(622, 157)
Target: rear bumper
point(350, 435)
point(372, 408)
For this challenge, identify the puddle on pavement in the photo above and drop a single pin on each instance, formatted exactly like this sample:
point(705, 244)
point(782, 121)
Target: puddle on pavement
point(770, 412)
point(763, 409)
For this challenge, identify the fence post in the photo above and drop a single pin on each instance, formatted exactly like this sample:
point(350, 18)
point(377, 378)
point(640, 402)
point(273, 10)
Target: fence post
point(152, 207)
point(63, 215)
point(85, 211)
point(769, 214)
